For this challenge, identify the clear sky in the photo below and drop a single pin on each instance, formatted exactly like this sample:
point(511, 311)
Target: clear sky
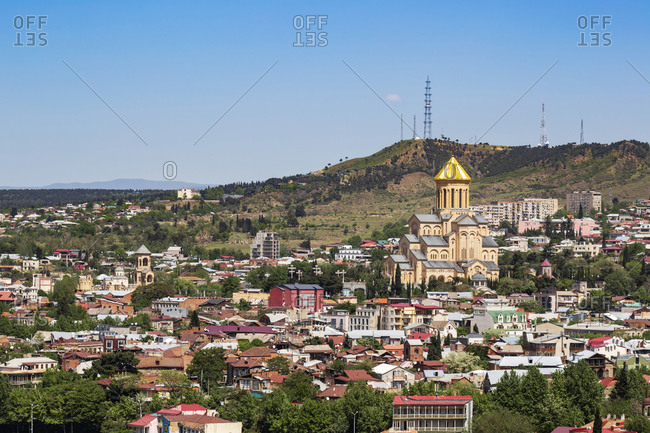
point(171, 69)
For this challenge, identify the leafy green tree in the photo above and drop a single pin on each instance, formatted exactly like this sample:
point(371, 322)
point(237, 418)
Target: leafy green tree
point(247, 344)
point(338, 365)
point(508, 392)
point(230, 285)
point(315, 416)
point(298, 386)
point(370, 342)
point(373, 408)
point(141, 319)
point(177, 383)
point(278, 412)
point(534, 389)
point(598, 422)
point(435, 349)
point(5, 389)
point(208, 365)
point(578, 386)
point(143, 296)
point(502, 421)
point(194, 320)
point(638, 424)
point(63, 295)
point(113, 363)
point(461, 362)
point(243, 407)
point(532, 306)
point(279, 364)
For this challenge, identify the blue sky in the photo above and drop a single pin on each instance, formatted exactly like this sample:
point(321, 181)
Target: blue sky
point(170, 70)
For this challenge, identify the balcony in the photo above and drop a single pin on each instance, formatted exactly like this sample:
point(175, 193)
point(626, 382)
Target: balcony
point(430, 416)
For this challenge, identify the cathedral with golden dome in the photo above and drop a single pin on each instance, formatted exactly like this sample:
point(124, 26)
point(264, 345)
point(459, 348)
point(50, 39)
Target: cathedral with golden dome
point(449, 242)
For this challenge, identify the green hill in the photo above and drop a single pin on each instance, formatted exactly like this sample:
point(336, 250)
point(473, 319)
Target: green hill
point(360, 195)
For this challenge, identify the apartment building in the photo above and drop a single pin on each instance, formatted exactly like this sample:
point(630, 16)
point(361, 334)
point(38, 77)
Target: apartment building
point(588, 199)
point(266, 244)
point(520, 210)
point(432, 414)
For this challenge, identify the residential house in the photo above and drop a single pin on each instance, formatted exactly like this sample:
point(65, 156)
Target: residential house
point(27, 371)
point(432, 413)
point(394, 376)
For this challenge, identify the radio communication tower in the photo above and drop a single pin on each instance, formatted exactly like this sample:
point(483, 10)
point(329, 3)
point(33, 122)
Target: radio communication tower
point(427, 109)
point(582, 132)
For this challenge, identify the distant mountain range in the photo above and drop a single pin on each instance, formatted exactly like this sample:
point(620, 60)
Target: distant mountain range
point(123, 184)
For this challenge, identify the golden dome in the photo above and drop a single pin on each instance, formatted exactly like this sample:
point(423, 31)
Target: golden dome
point(452, 170)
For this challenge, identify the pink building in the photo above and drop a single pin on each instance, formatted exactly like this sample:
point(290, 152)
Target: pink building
point(585, 227)
point(309, 296)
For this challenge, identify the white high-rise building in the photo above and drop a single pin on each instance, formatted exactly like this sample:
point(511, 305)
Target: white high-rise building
point(266, 244)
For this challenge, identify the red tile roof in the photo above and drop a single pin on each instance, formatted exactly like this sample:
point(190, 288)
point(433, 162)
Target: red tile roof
point(356, 375)
point(334, 391)
point(142, 422)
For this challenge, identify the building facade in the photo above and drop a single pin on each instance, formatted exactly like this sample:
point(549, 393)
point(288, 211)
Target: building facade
point(307, 296)
point(432, 414)
point(266, 244)
point(452, 241)
point(519, 210)
point(588, 199)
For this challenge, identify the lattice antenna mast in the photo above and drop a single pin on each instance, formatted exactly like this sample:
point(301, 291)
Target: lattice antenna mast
point(543, 140)
point(427, 109)
point(401, 126)
point(582, 132)
point(415, 134)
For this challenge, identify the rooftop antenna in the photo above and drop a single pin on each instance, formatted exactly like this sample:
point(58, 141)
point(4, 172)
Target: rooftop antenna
point(582, 132)
point(427, 109)
point(543, 140)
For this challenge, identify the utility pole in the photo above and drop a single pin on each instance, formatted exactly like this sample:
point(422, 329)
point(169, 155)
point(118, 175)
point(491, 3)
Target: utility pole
point(354, 423)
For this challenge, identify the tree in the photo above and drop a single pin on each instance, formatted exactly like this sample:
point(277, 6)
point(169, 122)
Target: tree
point(370, 342)
point(113, 363)
point(598, 422)
point(578, 386)
point(279, 364)
point(502, 421)
point(534, 389)
point(532, 306)
point(5, 389)
point(373, 408)
point(298, 386)
point(176, 382)
point(230, 285)
point(581, 212)
point(637, 423)
point(64, 296)
point(461, 362)
point(435, 349)
point(208, 366)
point(338, 365)
point(143, 296)
point(194, 320)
